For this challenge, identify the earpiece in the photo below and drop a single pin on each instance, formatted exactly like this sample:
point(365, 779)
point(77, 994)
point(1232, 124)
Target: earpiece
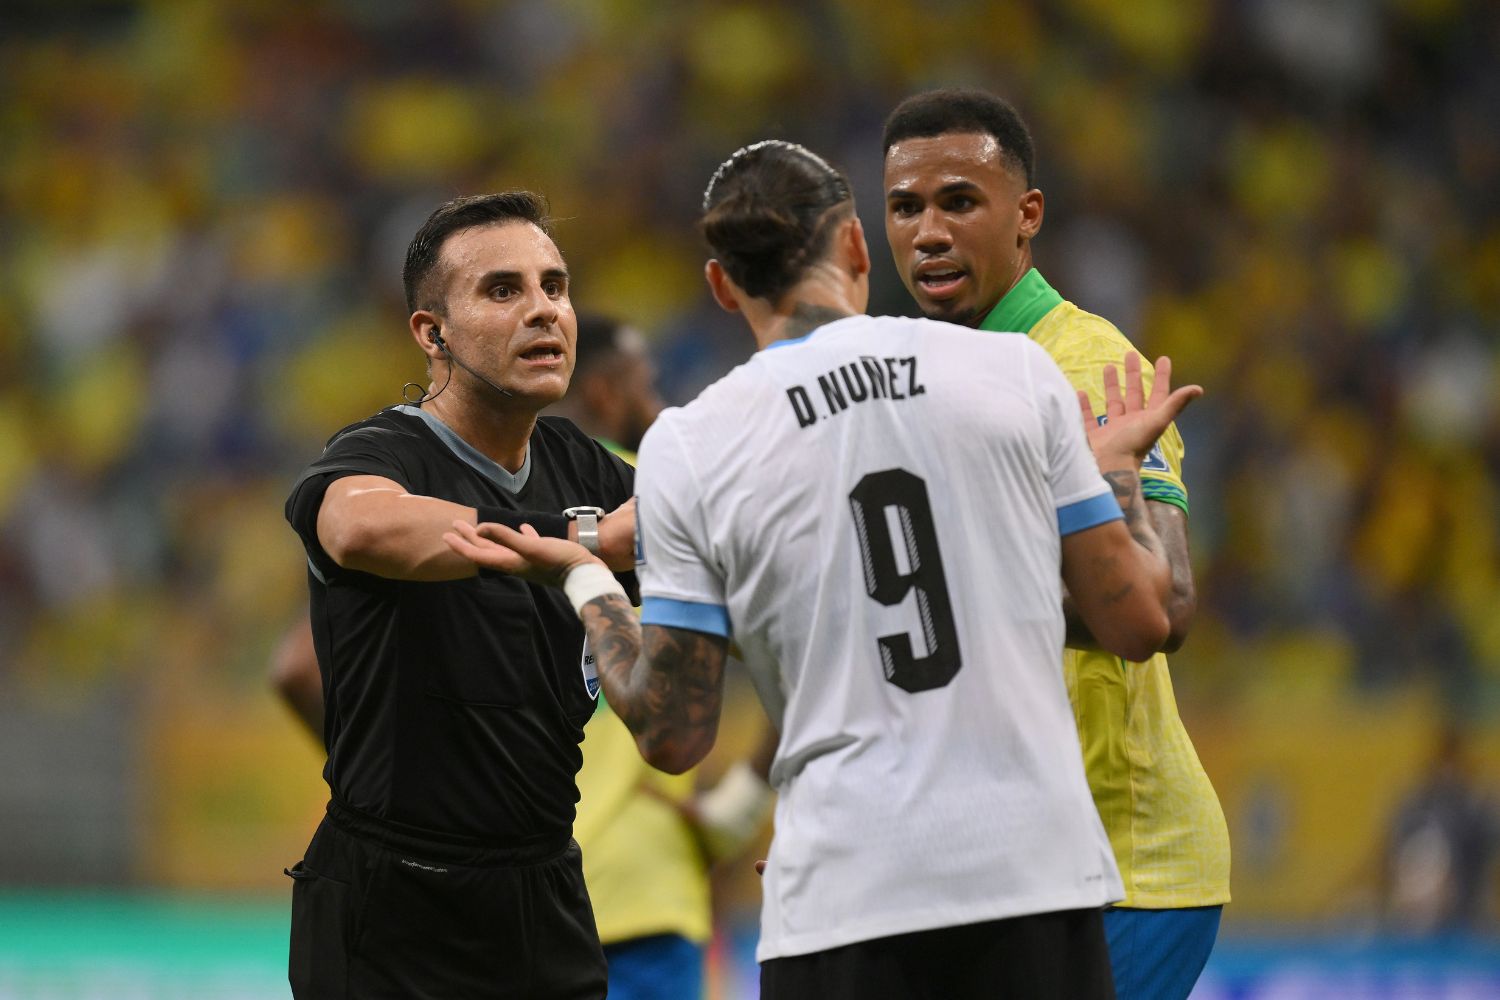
point(435, 336)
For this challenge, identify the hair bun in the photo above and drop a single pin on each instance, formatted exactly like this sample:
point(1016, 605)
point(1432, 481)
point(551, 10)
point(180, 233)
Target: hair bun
point(767, 212)
point(753, 226)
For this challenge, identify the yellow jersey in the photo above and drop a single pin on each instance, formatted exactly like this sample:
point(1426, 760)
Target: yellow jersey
point(1163, 819)
point(642, 863)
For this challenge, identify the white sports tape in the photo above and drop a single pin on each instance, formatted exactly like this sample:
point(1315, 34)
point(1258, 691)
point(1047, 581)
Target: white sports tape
point(588, 581)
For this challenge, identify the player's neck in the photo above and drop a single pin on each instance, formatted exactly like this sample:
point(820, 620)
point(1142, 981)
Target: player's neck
point(800, 312)
point(1023, 268)
point(498, 429)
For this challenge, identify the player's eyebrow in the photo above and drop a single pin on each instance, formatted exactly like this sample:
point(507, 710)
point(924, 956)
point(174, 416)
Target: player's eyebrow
point(952, 187)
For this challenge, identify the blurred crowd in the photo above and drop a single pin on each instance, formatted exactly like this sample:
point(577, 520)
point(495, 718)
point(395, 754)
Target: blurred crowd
point(203, 209)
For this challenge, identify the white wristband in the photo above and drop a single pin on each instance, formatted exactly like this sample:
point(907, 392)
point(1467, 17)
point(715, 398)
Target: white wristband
point(588, 581)
point(733, 811)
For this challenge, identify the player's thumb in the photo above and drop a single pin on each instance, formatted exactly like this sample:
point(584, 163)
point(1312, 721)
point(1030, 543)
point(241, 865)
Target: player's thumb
point(1179, 400)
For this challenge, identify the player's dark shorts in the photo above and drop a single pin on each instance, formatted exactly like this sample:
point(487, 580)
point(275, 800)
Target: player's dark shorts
point(377, 914)
point(1037, 957)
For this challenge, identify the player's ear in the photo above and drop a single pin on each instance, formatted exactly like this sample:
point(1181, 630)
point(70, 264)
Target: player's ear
point(1031, 207)
point(857, 247)
point(722, 286)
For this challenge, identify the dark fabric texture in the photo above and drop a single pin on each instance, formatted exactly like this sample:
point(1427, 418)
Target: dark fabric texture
point(1043, 956)
point(374, 921)
point(453, 709)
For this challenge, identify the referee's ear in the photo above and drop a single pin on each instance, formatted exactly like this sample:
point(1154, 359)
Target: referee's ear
point(726, 293)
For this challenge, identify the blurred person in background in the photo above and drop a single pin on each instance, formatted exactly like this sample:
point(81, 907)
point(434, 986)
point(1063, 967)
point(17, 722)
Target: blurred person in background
point(961, 211)
point(646, 839)
point(455, 702)
point(1438, 872)
point(613, 396)
point(935, 834)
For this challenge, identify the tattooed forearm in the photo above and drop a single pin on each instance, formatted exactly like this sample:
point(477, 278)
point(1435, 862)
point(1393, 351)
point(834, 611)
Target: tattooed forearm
point(666, 684)
point(1127, 489)
point(615, 636)
point(1170, 523)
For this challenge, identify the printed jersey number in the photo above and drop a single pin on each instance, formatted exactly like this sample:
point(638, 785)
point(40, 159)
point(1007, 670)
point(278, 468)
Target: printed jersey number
point(898, 564)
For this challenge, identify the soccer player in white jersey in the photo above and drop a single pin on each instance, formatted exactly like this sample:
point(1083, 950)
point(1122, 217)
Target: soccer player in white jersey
point(876, 510)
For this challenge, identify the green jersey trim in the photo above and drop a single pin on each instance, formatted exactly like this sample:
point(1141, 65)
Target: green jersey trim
point(1023, 306)
point(1163, 491)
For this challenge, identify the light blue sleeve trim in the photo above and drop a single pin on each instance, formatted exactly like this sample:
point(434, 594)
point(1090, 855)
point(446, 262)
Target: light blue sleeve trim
point(1090, 513)
point(694, 615)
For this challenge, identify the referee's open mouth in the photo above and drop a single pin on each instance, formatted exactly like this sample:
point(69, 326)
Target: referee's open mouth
point(544, 354)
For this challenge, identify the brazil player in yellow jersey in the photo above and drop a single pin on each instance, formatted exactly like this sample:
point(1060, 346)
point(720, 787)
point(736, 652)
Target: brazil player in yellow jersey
point(961, 211)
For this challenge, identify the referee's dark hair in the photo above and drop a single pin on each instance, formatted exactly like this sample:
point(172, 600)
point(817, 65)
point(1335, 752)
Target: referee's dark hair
point(941, 112)
point(463, 213)
point(769, 212)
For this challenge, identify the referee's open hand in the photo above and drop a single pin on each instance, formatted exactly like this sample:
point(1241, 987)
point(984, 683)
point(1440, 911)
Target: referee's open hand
point(521, 553)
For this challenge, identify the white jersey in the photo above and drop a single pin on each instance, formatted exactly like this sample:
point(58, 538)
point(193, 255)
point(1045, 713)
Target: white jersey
point(877, 510)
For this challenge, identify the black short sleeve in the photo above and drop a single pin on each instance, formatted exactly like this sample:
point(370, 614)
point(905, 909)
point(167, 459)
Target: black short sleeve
point(360, 451)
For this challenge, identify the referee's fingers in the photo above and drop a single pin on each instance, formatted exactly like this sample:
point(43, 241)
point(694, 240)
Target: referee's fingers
point(501, 533)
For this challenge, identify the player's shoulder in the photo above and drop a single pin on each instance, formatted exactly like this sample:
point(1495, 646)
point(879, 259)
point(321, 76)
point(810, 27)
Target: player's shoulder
point(1072, 334)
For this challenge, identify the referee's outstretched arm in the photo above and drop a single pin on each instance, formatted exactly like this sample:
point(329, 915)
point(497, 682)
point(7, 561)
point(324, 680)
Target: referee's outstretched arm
point(372, 524)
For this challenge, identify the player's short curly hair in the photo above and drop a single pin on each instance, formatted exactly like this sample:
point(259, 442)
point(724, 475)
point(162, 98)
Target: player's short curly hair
point(941, 112)
point(463, 213)
point(769, 212)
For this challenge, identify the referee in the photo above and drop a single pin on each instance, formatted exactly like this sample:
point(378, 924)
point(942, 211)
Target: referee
point(445, 866)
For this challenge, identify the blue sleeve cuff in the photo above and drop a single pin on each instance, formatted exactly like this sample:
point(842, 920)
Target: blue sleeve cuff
point(699, 617)
point(1090, 513)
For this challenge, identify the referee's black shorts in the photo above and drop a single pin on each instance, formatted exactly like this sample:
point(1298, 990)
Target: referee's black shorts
point(1043, 956)
point(377, 914)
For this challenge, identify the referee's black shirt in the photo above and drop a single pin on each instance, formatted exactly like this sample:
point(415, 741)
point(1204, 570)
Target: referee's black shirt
point(454, 709)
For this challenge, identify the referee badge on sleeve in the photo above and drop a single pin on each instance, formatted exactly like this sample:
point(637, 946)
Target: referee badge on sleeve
point(590, 671)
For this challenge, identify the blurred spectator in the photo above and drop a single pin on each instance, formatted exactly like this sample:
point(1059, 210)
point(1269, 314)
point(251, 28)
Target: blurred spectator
point(1439, 868)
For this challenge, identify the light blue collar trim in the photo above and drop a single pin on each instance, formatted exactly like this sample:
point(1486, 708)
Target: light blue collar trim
point(472, 456)
point(815, 330)
point(788, 343)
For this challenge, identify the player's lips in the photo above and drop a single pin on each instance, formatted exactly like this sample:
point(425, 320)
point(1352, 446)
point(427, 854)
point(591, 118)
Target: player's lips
point(939, 279)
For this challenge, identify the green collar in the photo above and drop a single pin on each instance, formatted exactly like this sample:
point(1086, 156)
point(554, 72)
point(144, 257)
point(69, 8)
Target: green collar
point(1025, 304)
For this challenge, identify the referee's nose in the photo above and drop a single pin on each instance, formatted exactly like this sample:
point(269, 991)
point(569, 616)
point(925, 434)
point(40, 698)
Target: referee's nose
point(541, 309)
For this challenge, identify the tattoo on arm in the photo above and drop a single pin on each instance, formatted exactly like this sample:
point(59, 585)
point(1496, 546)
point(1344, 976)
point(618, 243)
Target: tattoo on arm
point(665, 683)
point(1171, 527)
point(1127, 489)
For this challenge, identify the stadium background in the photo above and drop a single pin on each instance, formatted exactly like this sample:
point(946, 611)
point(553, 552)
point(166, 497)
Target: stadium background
point(202, 212)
